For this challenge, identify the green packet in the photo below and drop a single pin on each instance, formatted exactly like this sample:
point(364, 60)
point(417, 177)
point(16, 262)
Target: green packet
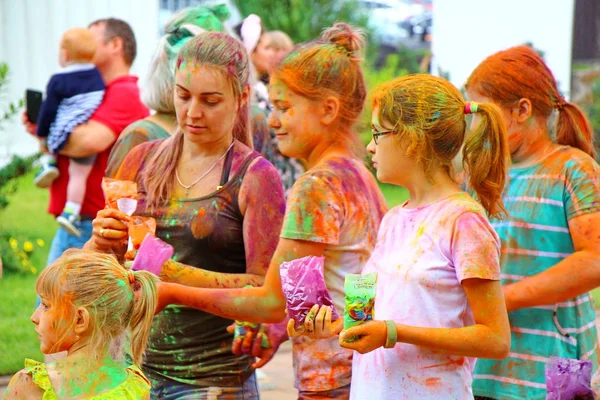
point(360, 292)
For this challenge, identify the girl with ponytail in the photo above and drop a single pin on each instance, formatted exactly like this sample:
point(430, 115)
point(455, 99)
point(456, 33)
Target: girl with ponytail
point(90, 306)
point(439, 303)
point(217, 202)
point(551, 237)
point(333, 210)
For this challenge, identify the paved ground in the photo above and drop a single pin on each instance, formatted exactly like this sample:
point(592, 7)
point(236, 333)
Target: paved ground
point(278, 382)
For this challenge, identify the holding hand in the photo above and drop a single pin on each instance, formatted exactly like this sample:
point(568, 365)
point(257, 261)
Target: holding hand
point(254, 343)
point(317, 324)
point(110, 231)
point(30, 127)
point(366, 337)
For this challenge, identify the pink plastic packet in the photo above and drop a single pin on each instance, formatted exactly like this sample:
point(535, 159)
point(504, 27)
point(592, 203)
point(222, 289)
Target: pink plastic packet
point(303, 286)
point(569, 379)
point(151, 256)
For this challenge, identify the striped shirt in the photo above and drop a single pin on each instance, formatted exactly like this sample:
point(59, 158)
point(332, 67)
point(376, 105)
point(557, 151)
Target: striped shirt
point(541, 200)
point(72, 96)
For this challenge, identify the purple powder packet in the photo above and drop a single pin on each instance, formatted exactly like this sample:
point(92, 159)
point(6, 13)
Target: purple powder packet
point(568, 379)
point(151, 256)
point(303, 286)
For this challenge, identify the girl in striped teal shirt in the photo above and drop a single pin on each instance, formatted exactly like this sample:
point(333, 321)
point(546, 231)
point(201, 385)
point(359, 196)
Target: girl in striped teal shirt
point(550, 252)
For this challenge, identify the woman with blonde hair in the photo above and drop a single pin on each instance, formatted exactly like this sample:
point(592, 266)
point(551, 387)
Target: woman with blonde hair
point(88, 302)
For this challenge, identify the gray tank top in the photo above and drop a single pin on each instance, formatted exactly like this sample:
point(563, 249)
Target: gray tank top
point(189, 345)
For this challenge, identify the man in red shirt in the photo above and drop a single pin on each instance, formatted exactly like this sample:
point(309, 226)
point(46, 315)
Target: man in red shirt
point(116, 50)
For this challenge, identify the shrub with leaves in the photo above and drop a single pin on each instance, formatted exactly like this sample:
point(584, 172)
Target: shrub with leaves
point(303, 20)
point(593, 112)
point(16, 168)
point(13, 108)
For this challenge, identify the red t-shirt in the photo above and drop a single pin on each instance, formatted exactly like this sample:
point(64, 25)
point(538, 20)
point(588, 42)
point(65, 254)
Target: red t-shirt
point(121, 106)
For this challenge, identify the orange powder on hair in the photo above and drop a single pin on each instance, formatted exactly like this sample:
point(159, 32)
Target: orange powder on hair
point(520, 72)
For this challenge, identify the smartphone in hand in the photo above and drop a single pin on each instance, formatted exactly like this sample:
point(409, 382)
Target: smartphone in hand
point(33, 104)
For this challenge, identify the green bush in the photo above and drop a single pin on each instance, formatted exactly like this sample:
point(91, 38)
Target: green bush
point(593, 113)
point(303, 20)
point(12, 108)
point(16, 168)
point(15, 252)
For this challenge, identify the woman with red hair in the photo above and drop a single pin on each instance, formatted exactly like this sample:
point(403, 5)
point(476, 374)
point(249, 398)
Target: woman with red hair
point(551, 238)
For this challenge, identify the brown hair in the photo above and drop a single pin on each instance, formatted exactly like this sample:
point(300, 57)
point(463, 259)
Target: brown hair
point(80, 45)
point(429, 115)
point(330, 67)
point(520, 72)
point(116, 28)
point(97, 282)
point(227, 56)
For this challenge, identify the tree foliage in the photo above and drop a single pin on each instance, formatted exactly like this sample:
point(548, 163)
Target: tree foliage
point(18, 166)
point(303, 20)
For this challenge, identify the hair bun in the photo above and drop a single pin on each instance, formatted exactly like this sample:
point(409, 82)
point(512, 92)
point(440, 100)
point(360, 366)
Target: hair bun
point(343, 35)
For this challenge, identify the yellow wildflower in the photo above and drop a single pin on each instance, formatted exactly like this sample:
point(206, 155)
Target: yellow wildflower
point(40, 242)
point(28, 246)
point(13, 243)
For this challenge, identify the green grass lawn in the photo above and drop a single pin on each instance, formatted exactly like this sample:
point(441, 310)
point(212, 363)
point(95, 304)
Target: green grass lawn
point(25, 217)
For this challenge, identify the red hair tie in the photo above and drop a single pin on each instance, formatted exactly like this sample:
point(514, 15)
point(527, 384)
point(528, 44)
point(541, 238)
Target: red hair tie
point(471, 107)
point(131, 277)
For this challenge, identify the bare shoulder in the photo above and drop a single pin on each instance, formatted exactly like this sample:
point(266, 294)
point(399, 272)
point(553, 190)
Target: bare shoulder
point(22, 386)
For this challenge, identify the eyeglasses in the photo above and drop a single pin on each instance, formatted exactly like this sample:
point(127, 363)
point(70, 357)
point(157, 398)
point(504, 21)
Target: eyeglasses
point(377, 134)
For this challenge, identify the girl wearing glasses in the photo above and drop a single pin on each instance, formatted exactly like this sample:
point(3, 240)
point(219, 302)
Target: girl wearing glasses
point(334, 209)
point(439, 303)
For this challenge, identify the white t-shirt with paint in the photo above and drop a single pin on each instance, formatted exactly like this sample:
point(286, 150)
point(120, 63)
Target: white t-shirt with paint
point(421, 257)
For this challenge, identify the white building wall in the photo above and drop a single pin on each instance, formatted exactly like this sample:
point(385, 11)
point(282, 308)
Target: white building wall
point(30, 31)
point(465, 32)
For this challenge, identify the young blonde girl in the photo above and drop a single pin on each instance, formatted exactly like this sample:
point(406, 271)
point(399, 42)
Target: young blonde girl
point(88, 302)
point(439, 302)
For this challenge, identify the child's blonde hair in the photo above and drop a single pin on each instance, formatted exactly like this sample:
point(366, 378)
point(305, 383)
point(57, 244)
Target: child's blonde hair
point(117, 300)
point(429, 112)
point(80, 45)
point(280, 40)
